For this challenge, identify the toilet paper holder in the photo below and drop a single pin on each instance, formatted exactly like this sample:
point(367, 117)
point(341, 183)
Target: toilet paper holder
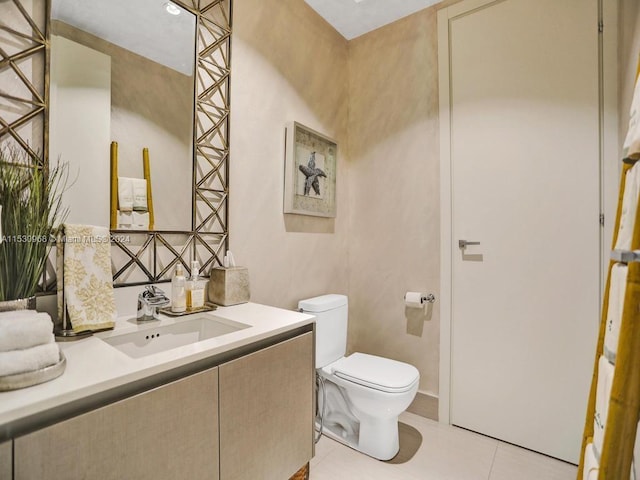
point(429, 298)
point(418, 299)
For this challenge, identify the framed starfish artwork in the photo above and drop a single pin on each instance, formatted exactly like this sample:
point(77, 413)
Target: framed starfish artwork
point(309, 172)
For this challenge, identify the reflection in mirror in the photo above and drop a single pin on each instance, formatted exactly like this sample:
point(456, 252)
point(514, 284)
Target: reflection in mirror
point(123, 71)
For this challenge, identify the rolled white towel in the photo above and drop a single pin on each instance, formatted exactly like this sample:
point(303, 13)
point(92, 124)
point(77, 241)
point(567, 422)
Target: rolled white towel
point(16, 313)
point(24, 330)
point(29, 359)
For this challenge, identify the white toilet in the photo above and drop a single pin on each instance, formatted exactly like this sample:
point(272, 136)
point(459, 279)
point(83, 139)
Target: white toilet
point(361, 395)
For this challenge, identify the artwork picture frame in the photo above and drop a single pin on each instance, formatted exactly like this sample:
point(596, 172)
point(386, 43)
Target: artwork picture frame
point(310, 172)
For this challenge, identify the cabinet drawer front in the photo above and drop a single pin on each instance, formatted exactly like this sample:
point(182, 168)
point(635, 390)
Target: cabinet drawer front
point(5, 461)
point(266, 412)
point(167, 433)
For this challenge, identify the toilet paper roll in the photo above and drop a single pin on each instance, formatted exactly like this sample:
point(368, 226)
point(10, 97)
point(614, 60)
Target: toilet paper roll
point(413, 299)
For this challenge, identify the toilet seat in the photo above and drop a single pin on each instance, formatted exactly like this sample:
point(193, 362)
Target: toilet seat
point(377, 373)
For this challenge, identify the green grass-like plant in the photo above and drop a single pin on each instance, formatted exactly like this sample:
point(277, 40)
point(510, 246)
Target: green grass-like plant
point(31, 201)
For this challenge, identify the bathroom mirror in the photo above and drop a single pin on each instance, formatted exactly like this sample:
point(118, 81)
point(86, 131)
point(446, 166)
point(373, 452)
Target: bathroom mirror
point(123, 71)
point(145, 73)
point(26, 121)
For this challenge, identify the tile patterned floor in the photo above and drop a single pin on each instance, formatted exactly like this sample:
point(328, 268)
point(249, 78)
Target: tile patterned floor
point(446, 453)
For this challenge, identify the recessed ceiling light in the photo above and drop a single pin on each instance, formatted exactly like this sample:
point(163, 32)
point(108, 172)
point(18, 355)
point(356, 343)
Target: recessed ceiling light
point(173, 9)
point(358, 1)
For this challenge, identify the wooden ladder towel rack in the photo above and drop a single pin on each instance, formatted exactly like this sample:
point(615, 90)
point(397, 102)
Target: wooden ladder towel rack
point(616, 457)
point(146, 169)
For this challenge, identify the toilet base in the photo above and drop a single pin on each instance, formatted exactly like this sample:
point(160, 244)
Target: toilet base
point(378, 439)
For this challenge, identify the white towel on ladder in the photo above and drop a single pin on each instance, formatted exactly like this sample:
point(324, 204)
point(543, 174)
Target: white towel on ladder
point(617, 290)
point(631, 147)
point(603, 393)
point(629, 208)
point(591, 466)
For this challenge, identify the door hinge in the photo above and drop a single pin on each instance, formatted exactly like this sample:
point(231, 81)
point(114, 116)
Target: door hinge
point(602, 219)
point(600, 26)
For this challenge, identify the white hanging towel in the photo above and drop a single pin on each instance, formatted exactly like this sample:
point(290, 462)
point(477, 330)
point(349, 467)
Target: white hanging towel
point(591, 465)
point(140, 221)
point(617, 290)
point(629, 208)
point(125, 194)
point(631, 147)
point(139, 195)
point(603, 393)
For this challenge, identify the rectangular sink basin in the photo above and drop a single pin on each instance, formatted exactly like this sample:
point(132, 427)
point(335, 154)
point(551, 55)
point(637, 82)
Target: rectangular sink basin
point(166, 337)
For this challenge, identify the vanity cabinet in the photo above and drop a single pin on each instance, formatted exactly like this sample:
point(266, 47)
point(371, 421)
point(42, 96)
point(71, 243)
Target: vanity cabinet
point(246, 415)
point(169, 432)
point(266, 412)
point(6, 466)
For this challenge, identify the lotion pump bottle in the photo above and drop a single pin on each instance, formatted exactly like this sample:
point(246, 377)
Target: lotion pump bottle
point(178, 291)
point(195, 288)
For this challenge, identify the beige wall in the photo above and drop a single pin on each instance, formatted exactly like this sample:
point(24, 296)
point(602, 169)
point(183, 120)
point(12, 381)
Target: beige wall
point(287, 64)
point(394, 191)
point(378, 96)
point(629, 54)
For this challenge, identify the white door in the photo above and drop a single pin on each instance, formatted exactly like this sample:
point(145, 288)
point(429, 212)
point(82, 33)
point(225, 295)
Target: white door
point(525, 184)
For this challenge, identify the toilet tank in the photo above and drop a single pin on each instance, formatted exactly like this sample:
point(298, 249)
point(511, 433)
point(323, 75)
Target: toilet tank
point(331, 326)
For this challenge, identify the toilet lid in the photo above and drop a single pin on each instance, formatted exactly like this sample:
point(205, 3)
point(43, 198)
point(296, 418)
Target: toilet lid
point(376, 372)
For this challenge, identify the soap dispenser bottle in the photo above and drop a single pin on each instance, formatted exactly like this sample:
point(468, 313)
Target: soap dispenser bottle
point(178, 291)
point(195, 288)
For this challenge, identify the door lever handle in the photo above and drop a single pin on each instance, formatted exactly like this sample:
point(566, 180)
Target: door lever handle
point(464, 244)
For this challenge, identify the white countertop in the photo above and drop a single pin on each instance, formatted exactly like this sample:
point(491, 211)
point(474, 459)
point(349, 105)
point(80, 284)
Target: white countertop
point(93, 366)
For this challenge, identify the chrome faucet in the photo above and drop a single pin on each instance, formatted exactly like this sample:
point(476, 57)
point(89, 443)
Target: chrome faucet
point(149, 302)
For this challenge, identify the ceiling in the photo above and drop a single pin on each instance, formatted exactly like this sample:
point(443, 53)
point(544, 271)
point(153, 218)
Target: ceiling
point(141, 26)
point(146, 29)
point(352, 18)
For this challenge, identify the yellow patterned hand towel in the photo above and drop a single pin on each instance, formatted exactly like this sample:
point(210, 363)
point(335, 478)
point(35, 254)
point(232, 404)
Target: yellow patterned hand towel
point(88, 282)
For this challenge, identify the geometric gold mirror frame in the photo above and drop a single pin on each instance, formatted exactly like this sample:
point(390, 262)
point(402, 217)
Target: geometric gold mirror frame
point(147, 256)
